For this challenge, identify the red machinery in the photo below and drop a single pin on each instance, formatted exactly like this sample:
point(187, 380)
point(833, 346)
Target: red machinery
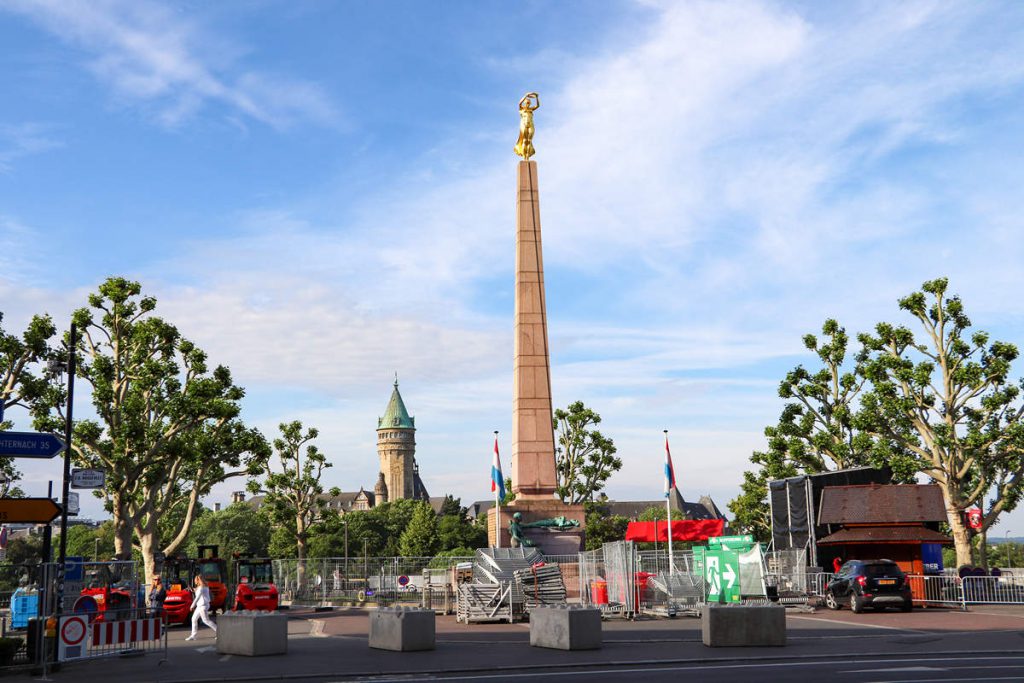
point(107, 594)
point(254, 585)
point(177, 576)
point(215, 571)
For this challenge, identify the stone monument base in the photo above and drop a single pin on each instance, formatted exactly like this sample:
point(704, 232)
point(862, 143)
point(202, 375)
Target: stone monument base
point(548, 541)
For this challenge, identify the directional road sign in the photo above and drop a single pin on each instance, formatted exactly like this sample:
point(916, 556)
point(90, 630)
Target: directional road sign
point(28, 510)
point(29, 445)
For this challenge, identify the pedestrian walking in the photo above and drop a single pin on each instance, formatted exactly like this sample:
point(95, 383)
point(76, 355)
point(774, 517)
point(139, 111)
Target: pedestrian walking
point(157, 595)
point(201, 607)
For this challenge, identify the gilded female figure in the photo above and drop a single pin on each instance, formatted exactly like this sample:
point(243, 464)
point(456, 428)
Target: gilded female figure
point(527, 105)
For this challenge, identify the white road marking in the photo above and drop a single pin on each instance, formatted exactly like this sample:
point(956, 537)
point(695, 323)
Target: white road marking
point(709, 667)
point(225, 658)
point(208, 648)
point(904, 669)
point(859, 625)
point(316, 628)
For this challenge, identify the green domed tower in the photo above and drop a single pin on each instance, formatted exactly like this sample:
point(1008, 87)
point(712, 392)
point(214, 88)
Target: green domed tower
point(396, 446)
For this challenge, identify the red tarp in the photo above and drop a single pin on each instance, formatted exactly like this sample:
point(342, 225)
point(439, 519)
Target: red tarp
point(682, 530)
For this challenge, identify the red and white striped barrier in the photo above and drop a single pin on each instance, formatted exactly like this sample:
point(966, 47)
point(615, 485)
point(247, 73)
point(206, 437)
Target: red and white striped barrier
point(119, 632)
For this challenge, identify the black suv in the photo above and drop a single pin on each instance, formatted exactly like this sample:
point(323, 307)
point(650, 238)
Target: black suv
point(869, 583)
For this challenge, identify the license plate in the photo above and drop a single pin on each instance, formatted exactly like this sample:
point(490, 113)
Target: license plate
point(887, 582)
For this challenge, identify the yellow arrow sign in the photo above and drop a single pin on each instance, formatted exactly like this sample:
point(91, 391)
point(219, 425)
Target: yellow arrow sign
point(28, 510)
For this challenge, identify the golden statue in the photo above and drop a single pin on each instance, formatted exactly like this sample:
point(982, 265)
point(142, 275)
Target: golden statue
point(524, 145)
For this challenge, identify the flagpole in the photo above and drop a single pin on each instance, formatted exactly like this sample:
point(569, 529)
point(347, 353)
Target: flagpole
point(668, 513)
point(497, 505)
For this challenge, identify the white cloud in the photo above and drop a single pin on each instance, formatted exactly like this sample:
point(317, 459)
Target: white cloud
point(148, 53)
point(22, 140)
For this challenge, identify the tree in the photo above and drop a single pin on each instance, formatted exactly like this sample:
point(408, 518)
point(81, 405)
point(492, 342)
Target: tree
point(602, 526)
point(238, 528)
point(166, 428)
point(585, 458)
point(816, 431)
point(294, 494)
point(419, 539)
point(946, 398)
point(19, 385)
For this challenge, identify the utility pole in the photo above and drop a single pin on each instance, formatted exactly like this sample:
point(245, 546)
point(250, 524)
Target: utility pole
point(72, 343)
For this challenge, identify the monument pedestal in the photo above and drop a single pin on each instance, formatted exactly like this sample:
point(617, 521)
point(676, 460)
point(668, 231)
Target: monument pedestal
point(548, 541)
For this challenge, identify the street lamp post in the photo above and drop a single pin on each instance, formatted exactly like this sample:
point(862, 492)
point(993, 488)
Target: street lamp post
point(96, 551)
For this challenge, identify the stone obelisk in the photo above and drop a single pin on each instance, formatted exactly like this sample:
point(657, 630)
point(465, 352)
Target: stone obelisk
point(533, 438)
point(533, 441)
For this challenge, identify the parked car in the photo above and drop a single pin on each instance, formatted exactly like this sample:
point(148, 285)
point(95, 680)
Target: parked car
point(869, 583)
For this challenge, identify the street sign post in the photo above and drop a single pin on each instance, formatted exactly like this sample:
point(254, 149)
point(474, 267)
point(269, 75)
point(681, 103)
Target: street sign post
point(29, 445)
point(88, 479)
point(28, 510)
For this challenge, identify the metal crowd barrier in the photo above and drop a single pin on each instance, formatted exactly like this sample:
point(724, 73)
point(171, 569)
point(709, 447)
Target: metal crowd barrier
point(992, 590)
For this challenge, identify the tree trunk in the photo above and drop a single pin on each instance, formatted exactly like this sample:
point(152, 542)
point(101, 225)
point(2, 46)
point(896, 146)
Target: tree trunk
point(983, 550)
point(961, 536)
point(147, 545)
point(122, 538)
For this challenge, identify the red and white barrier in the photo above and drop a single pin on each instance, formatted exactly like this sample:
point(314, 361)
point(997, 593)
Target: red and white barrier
point(119, 632)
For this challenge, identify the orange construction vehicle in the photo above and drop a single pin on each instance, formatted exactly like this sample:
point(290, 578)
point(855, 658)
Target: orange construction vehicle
point(107, 595)
point(254, 585)
point(177, 577)
point(215, 571)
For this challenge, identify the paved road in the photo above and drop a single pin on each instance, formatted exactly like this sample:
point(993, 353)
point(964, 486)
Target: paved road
point(983, 644)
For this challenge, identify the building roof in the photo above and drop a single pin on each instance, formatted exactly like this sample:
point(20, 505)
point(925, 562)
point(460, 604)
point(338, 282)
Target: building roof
point(882, 504)
point(396, 416)
point(885, 534)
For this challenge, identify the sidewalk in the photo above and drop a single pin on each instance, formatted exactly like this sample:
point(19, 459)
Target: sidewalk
point(333, 646)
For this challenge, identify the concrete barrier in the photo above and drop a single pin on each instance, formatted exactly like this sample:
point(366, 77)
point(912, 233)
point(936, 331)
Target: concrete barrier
point(253, 634)
point(402, 629)
point(566, 628)
point(744, 626)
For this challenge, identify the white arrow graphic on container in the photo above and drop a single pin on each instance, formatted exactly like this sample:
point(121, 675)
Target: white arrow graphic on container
point(729, 575)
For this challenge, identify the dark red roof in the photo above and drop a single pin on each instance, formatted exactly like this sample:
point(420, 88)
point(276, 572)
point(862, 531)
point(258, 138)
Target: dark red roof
point(882, 504)
point(885, 534)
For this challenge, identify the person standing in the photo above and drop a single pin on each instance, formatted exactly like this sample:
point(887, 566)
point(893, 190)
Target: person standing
point(157, 595)
point(201, 607)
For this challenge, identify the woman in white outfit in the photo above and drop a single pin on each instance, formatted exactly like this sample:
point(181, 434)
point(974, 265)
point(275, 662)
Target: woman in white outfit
point(201, 607)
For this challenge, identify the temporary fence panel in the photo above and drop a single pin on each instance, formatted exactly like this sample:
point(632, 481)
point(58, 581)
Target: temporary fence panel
point(620, 567)
point(992, 590)
point(936, 589)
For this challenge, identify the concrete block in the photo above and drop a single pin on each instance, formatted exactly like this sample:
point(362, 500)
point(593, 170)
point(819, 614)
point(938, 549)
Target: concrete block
point(402, 629)
point(744, 626)
point(566, 628)
point(252, 634)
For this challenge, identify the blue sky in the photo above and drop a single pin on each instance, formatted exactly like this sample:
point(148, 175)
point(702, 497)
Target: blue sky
point(321, 194)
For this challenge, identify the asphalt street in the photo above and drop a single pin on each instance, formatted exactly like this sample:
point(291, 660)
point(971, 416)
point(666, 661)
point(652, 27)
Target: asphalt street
point(925, 645)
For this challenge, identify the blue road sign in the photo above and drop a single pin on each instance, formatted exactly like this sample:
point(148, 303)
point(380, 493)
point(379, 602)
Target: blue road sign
point(73, 569)
point(29, 445)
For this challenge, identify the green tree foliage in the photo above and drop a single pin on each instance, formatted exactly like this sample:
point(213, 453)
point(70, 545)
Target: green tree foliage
point(816, 431)
point(456, 530)
point(602, 526)
point(585, 458)
point(238, 528)
point(166, 427)
point(377, 531)
point(294, 494)
point(420, 539)
point(947, 398)
point(25, 550)
point(20, 384)
point(446, 558)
